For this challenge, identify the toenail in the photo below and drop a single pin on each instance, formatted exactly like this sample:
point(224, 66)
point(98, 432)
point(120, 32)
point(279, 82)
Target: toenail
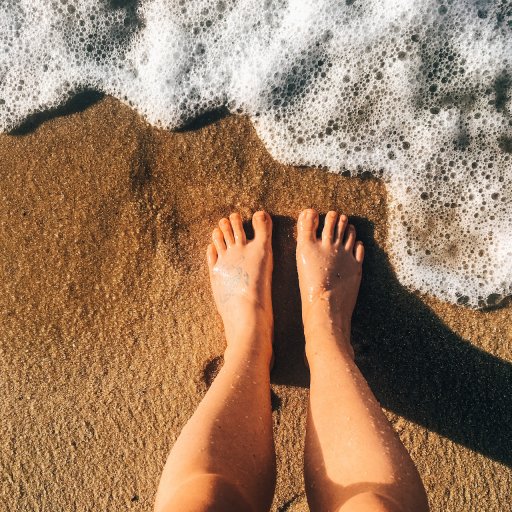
point(261, 215)
point(310, 214)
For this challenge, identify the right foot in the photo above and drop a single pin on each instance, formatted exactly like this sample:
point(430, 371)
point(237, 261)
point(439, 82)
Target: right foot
point(241, 275)
point(329, 271)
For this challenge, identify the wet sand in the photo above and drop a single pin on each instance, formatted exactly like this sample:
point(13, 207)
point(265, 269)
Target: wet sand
point(109, 336)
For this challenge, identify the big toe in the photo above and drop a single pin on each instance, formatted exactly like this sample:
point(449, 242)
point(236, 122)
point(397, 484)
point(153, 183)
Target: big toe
point(262, 224)
point(307, 225)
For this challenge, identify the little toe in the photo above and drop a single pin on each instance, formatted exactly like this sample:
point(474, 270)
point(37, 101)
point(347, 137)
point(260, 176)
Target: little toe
point(211, 255)
point(238, 228)
point(340, 228)
point(359, 252)
point(307, 225)
point(227, 231)
point(218, 241)
point(350, 238)
point(262, 224)
point(329, 226)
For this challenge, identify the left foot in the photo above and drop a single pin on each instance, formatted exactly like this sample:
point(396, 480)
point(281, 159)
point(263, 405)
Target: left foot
point(241, 275)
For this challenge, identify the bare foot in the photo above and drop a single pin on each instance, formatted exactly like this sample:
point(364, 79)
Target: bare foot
point(329, 271)
point(241, 276)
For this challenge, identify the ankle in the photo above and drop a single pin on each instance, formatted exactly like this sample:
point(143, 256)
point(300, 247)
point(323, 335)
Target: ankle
point(248, 322)
point(326, 338)
point(325, 313)
point(249, 338)
point(252, 358)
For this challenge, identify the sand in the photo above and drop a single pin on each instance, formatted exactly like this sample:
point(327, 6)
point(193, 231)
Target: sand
point(109, 336)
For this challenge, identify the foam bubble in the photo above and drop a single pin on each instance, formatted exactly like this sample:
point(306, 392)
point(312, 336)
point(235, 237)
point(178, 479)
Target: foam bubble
point(415, 92)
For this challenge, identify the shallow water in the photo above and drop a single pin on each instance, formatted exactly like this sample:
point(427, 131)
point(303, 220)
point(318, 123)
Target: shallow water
point(417, 93)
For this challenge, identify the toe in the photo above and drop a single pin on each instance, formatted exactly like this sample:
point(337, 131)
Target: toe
point(211, 255)
point(262, 224)
point(359, 252)
point(218, 241)
point(227, 231)
point(329, 226)
point(340, 228)
point(307, 225)
point(350, 238)
point(238, 228)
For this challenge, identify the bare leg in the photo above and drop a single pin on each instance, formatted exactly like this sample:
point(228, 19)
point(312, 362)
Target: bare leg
point(224, 459)
point(354, 461)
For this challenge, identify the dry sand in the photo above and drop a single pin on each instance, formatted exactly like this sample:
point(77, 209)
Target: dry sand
point(109, 336)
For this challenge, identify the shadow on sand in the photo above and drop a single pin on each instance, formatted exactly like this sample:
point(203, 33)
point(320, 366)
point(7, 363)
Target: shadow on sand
point(415, 365)
point(82, 100)
point(77, 103)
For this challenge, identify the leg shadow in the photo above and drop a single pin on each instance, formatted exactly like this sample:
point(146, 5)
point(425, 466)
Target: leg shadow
point(206, 119)
point(77, 103)
point(288, 333)
point(416, 366)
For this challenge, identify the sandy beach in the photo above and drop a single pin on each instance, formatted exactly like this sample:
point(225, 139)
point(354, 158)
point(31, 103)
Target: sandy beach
point(109, 337)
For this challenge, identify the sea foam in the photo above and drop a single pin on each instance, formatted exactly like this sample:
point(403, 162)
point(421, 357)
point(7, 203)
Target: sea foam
point(417, 93)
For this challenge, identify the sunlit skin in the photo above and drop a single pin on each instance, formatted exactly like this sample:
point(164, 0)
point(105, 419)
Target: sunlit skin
point(224, 458)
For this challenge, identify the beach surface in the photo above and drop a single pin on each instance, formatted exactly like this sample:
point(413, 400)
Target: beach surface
point(109, 337)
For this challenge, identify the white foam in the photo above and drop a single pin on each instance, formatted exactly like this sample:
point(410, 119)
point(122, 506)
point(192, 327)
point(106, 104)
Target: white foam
point(416, 92)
